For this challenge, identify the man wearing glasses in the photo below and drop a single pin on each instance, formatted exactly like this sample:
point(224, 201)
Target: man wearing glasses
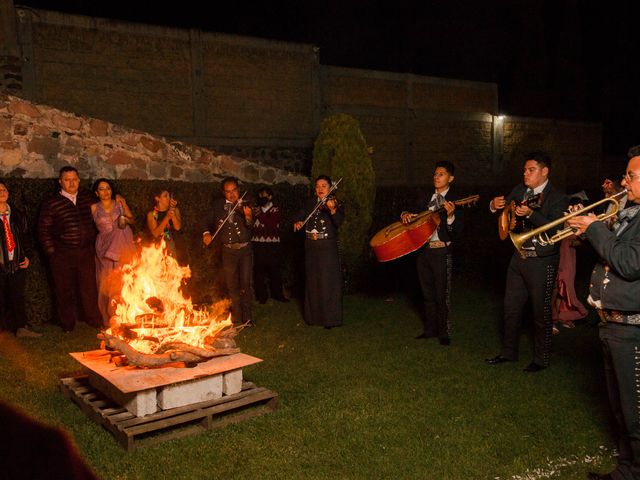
point(615, 293)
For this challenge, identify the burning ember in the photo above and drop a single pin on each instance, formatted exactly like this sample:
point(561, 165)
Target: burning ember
point(154, 324)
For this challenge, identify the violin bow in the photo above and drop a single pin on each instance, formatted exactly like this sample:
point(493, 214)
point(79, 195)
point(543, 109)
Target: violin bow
point(233, 209)
point(321, 202)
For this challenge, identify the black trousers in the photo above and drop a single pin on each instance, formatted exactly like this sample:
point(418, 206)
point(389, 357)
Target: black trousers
point(621, 354)
point(434, 273)
point(74, 286)
point(13, 314)
point(529, 279)
point(267, 266)
point(237, 267)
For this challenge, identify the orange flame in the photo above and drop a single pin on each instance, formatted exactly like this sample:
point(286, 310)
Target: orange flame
point(152, 310)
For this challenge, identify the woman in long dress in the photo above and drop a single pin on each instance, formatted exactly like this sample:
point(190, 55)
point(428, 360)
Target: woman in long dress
point(114, 243)
point(323, 289)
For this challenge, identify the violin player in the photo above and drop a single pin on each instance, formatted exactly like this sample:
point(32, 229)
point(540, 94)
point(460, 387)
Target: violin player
point(237, 256)
point(323, 215)
point(435, 258)
point(531, 275)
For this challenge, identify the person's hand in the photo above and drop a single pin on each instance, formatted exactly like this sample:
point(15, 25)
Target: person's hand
point(247, 211)
point(523, 211)
point(24, 263)
point(580, 223)
point(120, 199)
point(498, 202)
point(207, 239)
point(297, 226)
point(406, 217)
point(450, 208)
point(575, 208)
point(173, 203)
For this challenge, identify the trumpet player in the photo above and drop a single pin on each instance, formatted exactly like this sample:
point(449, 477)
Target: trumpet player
point(615, 293)
point(531, 273)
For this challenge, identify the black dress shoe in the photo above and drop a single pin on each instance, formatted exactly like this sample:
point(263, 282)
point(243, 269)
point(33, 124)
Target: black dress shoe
point(533, 367)
point(598, 476)
point(281, 299)
point(445, 341)
point(497, 360)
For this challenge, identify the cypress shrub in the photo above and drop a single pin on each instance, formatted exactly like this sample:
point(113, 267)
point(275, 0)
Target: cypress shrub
point(340, 151)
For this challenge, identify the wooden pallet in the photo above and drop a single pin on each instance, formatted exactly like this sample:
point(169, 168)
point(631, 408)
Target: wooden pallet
point(136, 432)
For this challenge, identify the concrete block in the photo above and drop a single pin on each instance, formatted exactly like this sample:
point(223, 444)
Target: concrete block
point(232, 382)
point(186, 393)
point(139, 403)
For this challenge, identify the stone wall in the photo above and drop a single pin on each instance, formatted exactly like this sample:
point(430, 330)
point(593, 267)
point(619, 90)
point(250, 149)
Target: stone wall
point(36, 140)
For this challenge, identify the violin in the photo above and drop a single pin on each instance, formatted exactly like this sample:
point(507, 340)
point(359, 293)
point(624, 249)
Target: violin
point(324, 207)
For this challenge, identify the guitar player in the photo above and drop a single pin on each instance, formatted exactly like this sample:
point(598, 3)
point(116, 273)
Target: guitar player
point(531, 275)
point(434, 259)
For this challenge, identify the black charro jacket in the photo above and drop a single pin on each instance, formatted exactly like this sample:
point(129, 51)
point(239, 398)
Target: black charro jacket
point(554, 204)
point(620, 288)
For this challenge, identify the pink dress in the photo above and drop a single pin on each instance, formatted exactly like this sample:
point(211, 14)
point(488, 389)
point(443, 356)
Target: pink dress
point(114, 246)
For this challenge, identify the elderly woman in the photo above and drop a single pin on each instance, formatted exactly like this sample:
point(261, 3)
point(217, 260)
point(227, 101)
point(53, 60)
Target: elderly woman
point(323, 290)
point(15, 250)
point(114, 243)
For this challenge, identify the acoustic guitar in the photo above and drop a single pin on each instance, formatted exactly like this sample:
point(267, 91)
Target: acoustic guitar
point(399, 239)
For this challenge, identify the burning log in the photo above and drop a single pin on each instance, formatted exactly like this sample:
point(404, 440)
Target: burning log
point(171, 352)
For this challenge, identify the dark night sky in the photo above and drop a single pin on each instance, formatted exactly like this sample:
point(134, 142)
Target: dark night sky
point(551, 58)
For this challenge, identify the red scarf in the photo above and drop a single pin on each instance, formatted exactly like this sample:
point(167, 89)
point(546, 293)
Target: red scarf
point(11, 243)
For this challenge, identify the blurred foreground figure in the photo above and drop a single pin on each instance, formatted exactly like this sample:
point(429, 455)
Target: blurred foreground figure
point(32, 451)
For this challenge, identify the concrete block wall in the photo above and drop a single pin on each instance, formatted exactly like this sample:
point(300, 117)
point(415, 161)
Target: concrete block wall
point(263, 100)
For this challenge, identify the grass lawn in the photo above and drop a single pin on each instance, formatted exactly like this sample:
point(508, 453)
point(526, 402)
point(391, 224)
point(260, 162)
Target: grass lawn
point(362, 401)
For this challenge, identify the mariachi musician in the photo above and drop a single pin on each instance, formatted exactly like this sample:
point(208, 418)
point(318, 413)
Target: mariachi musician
point(321, 218)
point(434, 260)
point(532, 271)
point(231, 223)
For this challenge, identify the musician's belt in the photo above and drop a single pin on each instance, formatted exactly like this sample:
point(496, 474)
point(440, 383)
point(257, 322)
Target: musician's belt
point(527, 253)
point(316, 236)
point(438, 244)
point(616, 316)
point(236, 246)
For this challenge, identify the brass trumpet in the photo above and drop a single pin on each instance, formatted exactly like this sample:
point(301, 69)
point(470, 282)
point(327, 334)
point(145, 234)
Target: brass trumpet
point(539, 236)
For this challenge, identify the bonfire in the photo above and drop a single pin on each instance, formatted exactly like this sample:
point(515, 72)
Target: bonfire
point(155, 324)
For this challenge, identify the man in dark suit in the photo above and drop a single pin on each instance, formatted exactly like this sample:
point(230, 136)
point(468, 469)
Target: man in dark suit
point(532, 271)
point(237, 256)
point(67, 234)
point(615, 293)
point(434, 259)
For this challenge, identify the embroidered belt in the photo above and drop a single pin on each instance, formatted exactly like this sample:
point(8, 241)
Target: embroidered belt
point(616, 316)
point(438, 244)
point(236, 246)
point(317, 236)
point(527, 253)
